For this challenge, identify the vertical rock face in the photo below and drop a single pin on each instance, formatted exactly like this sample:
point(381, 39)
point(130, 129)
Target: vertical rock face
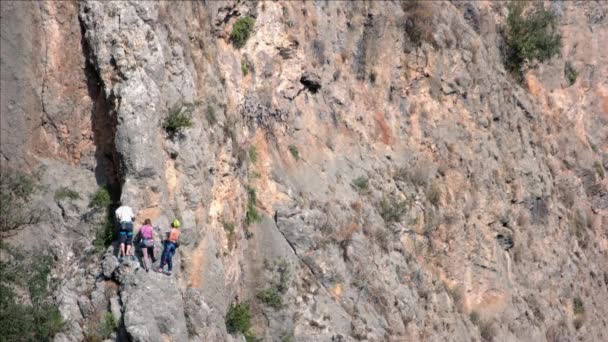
point(362, 171)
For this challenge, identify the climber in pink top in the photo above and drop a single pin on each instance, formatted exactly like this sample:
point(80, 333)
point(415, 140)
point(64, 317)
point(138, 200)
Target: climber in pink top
point(146, 234)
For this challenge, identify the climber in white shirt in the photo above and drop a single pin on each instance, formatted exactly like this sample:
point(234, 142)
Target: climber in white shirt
point(124, 215)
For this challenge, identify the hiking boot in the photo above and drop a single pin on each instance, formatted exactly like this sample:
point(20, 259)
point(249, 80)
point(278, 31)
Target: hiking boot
point(167, 273)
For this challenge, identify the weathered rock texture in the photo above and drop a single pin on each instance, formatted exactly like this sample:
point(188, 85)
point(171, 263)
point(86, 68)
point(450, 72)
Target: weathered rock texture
point(410, 189)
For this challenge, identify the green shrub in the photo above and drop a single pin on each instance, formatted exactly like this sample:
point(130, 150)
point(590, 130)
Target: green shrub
point(37, 320)
point(101, 198)
point(253, 154)
point(599, 169)
point(570, 73)
point(579, 312)
point(210, 115)
point(294, 152)
point(102, 328)
point(577, 306)
point(104, 236)
point(16, 210)
point(284, 275)
point(178, 119)
point(238, 318)
point(230, 234)
point(287, 337)
point(241, 31)
point(392, 209)
point(271, 297)
point(531, 35)
point(108, 325)
point(361, 183)
point(433, 194)
point(64, 192)
point(252, 215)
point(244, 67)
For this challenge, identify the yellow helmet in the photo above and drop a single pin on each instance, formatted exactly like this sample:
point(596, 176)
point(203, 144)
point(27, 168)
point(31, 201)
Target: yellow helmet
point(175, 223)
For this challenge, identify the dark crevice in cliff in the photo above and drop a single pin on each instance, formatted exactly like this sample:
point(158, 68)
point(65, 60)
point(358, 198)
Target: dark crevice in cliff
point(104, 122)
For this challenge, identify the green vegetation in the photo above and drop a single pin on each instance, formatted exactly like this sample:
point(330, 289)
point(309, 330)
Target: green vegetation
point(244, 67)
point(271, 297)
point(104, 235)
point(230, 234)
point(65, 192)
point(294, 152)
point(104, 199)
point(252, 215)
point(392, 209)
point(531, 35)
point(287, 337)
point(433, 194)
point(361, 183)
point(253, 154)
point(16, 211)
point(101, 199)
point(238, 318)
point(37, 320)
point(570, 73)
point(178, 119)
point(599, 169)
point(210, 115)
point(577, 306)
point(241, 31)
point(101, 329)
point(578, 309)
point(279, 284)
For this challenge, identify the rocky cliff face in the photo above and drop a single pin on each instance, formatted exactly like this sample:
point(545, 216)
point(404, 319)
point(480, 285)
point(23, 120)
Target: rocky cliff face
point(407, 188)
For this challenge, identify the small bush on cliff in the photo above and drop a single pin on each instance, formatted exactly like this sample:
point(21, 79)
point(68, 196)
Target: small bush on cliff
point(178, 119)
point(271, 297)
point(578, 309)
point(238, 318)
point(392, 209)
point(16, 191)
point(252, 215)
point(230, 234)
point(241, 31)
point(101, 199)
point(253, 154)
point(361, 183)
point(294, 152)
point(531, 35)
point(38, 319)
point(210, 115)
point(244, 67)
point(570, 73)
point(65, 192)
point(104, 235)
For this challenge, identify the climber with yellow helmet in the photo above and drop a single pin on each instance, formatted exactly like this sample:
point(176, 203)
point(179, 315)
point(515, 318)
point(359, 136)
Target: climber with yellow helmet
point(170, 244)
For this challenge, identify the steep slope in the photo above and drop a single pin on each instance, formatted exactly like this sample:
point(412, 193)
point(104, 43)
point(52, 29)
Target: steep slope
point(408, 187)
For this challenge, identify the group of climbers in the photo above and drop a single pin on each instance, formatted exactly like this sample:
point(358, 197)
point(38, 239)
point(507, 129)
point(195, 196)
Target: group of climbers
point(145, 236)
